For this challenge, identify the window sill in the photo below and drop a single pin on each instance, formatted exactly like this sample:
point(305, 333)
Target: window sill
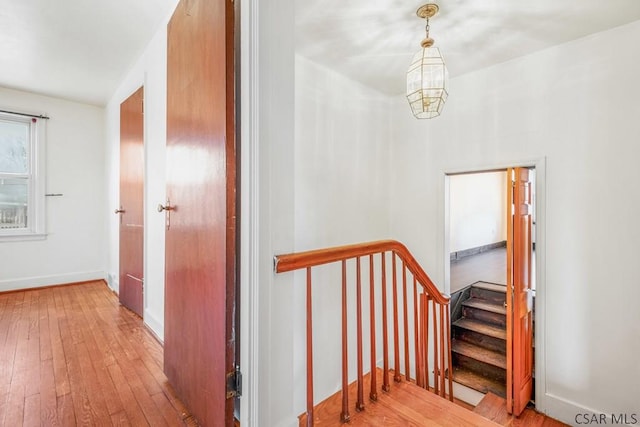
point(22, 237)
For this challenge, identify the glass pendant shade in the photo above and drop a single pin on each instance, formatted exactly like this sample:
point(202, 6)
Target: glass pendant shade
point(427, 83)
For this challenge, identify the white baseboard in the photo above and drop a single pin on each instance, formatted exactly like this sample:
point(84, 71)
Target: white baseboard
point(565, 410)
point(155, 325)
point(57, 279)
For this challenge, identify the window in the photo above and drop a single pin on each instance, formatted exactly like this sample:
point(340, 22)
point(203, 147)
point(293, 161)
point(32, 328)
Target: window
point(22, 181)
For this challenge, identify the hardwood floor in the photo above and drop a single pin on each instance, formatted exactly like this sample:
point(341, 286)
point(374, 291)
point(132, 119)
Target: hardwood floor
point(490, 266)
point(494, 408)
point(71, 355)
point(409, 405)
point(405, 404)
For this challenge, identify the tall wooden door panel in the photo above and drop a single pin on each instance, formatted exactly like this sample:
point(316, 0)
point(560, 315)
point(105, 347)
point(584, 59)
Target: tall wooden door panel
point(131, 202)
point(200, 211)
point(519, 291)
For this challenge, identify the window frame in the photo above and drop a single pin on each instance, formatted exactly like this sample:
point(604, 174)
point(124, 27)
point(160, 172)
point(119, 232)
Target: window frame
point(36, 180)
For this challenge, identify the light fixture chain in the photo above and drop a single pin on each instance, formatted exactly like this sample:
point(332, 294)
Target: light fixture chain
point(427, 26)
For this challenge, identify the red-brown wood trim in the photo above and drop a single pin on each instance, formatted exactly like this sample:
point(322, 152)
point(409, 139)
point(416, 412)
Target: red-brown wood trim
point(232, 266)
point(436, 383)
point(416, 345)
point(345, 360)
point(405, 313)
point(425, 327)
point(442, 350)
point(309, 351)
point(396, 329)
point(385, 330)
point(295, 261)
point(449, 358)
point(373, 395)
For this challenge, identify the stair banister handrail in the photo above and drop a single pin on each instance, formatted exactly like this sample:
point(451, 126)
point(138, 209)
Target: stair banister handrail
point(430, 295)
point(299, 260)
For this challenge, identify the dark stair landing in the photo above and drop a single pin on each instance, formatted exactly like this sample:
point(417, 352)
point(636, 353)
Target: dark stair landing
point(479, 339)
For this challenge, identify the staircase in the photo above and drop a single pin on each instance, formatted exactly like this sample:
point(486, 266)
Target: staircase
point(479, 338)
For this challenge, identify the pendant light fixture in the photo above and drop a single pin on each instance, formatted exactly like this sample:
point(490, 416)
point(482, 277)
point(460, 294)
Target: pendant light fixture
point(427, 78)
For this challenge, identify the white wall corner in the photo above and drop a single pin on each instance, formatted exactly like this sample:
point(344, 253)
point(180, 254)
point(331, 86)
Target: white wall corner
point(155, 324)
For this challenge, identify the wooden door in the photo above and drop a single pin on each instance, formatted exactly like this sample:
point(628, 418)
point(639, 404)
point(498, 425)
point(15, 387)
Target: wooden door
point(131, 202)
point(201, 225)
point(519, 291)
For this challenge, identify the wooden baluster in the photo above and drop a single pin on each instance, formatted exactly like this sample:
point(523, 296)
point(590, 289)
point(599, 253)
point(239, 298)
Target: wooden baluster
point(360, 400)
point(450, 365)
point(425, 328)
point(416, 346)
point(435, 350)
point(373, 394)
point(405, 311)
point(442, 350)
point(309, 353)
point(420, 352)
point(396, 345)
point(345, 367)
point(385, 331)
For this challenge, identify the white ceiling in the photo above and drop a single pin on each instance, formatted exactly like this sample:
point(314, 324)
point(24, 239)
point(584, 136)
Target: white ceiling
point(81, 49)
point(74, 49)
point(373, 41)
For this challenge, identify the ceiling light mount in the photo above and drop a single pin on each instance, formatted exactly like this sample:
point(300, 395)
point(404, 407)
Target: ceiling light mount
point(428, 10)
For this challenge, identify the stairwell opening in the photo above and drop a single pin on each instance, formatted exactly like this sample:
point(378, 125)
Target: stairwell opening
point(476, 272)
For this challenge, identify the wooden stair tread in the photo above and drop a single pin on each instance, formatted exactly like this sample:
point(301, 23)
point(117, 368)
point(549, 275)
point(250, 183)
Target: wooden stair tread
point(479, 382)
point(485, 305)
point(490, 287)
point(481, 354)
point(482, 328)
point(405, 404)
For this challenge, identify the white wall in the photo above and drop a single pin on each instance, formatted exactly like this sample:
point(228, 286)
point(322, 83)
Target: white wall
point(75, 245)
point(575, 105)
point(477, 204)
point(341, 179)
point(150, 72)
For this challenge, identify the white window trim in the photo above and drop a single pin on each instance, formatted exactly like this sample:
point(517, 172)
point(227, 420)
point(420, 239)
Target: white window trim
point(36, 209)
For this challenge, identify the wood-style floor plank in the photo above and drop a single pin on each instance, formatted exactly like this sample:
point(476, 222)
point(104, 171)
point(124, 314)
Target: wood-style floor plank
point(495, 408)
point(404, 405)
point(409, 405)
point(71, 355)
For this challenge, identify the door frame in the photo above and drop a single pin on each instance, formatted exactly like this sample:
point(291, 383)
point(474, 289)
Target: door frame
point(138, 87)
point(540, 239)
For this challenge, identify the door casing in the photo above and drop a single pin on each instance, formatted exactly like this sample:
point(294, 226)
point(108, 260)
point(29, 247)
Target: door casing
point(540, 267)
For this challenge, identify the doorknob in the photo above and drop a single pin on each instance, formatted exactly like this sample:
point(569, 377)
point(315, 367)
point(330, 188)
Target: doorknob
point(166, 207)
point(119, 211)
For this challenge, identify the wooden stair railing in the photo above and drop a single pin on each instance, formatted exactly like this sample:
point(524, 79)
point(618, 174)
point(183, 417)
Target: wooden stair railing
point(424, 295)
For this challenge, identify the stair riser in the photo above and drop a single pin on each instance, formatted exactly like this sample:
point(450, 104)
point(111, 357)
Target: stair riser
point(484, 316)
point(480, 339)
point(490, 371)
point(488, 295)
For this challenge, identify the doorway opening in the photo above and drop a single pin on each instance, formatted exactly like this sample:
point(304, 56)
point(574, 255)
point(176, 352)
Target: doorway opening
point(479, 241)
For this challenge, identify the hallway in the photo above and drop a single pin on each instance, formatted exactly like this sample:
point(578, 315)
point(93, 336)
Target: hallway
point(489, 266)
point(71, 355)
